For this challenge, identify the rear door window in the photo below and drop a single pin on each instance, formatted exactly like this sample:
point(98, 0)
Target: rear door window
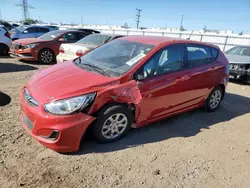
point(70, 37)
point(199, 55)
point(43, 30)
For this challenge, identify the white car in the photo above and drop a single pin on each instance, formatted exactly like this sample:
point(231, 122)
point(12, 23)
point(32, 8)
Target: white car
point(5, 41)
point(83, 46)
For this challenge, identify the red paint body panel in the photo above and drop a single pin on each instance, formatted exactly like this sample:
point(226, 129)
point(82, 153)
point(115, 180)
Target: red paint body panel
point(154, 99)
point(71, 128)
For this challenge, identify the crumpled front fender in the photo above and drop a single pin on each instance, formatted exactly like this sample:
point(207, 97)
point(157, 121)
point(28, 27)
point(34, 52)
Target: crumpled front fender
point(128, 93)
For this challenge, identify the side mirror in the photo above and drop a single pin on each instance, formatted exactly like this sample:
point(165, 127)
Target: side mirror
point(139, 77)
point(25, 31)
point(61, 40)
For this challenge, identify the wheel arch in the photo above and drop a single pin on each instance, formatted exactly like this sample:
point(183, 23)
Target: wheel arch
point(222, 86)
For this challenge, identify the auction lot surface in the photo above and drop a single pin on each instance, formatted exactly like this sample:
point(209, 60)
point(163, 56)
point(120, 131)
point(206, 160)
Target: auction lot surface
point(194, 149)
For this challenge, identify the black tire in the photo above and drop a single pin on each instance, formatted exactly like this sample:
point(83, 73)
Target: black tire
point(4, 50)
point(247, 79)
point(209, 107)
point(103, 116)
point(46, 56)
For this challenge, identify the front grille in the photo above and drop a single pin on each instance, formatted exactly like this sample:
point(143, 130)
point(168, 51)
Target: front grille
point(29, 124)
point(30, 100)
point(238, 66)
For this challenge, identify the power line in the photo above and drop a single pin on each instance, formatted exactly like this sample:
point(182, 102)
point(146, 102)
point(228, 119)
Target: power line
point(138, 15)
point(25, 8)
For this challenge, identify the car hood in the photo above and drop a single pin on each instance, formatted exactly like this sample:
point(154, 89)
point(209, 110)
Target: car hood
point(67, 80)
point(237, 59)
point(28, 41)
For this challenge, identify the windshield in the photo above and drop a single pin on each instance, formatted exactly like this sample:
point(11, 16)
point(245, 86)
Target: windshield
point(116, 57)
point(51, 35)
point(239, 50)
point(94, 39)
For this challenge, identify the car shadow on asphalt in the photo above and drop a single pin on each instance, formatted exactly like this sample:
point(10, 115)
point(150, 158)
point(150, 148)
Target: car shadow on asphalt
point(185, 125)
point(4, 99)
point(10, 67)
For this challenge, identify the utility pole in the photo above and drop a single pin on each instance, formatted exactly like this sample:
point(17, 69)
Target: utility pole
point(1, 17)
point(138, 15)
point(81, 20)
point(25, 8)
point(181, 21)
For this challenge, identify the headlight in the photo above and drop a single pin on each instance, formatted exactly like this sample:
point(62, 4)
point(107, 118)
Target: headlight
point(69, 106)
point(29, 46)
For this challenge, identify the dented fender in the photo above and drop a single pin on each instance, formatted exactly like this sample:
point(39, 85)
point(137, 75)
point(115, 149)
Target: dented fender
point(128, 93)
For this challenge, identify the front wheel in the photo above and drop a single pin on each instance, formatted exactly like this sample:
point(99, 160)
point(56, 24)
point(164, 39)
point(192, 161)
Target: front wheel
point(112, 123)
point(4, 50)
point(46, 56)
point(214, 99)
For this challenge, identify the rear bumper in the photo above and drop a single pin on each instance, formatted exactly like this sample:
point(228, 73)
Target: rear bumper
point(40, 125)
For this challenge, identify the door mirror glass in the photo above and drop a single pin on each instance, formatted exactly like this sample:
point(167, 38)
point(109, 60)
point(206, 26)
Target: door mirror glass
point(139, 77)
point(61, 40)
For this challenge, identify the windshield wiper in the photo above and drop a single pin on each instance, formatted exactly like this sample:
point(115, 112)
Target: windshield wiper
point(93, 67)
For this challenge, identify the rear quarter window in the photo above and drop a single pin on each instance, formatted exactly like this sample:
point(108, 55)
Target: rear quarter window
point(199, 55)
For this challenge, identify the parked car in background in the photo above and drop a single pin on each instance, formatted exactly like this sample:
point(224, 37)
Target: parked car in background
point(44, 48)
point(6, 25)
point(5, 41)
point(239, 59)
point(83, 46)
point(15, 25)
point(134, 80)
point(52, 27)
point(90, 31)
point(22, 32)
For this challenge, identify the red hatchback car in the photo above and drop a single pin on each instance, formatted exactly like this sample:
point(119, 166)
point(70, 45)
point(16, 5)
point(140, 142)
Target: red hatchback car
point(129, 82)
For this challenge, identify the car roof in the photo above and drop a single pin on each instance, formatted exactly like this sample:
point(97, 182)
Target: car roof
point(109, 35)
point(157, 40)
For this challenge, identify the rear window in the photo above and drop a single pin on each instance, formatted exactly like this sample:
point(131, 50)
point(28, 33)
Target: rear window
point(201, 55)
point(43, 30)
point(95, 39)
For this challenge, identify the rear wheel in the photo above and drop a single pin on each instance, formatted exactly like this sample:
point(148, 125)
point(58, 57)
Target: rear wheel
point(46, 56)
point(214, 99)
point(113, 122)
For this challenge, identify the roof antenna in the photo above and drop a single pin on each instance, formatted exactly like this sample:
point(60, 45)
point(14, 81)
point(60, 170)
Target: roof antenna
point(190, 35)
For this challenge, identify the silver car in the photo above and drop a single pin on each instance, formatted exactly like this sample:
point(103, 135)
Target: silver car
point(239, 59)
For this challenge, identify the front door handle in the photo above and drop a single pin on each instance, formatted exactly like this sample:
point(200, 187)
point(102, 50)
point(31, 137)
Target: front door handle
point(180, 79)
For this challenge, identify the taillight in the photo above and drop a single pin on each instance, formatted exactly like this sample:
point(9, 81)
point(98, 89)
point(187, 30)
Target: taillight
point(81, 52)
point(7, 34)
point(61, 50)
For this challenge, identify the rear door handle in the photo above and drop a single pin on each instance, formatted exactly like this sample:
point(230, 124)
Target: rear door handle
point(212, 69)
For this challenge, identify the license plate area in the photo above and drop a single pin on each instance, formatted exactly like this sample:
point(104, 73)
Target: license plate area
point(28, 123)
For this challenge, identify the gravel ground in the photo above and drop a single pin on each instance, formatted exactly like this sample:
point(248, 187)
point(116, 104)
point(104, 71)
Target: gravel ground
point(195, 149)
